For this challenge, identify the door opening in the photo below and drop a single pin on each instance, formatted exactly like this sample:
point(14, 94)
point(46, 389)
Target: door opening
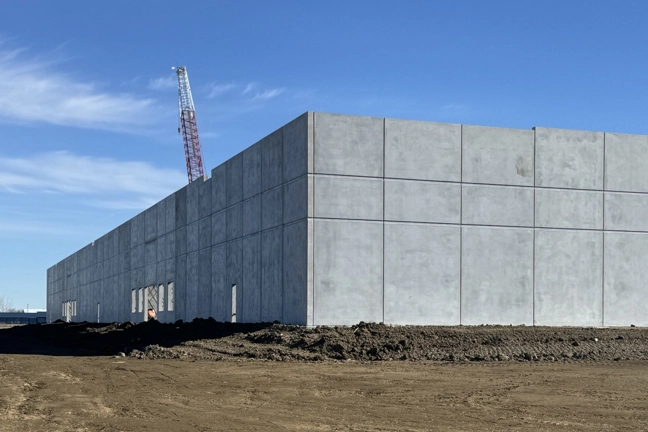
point(233, 303)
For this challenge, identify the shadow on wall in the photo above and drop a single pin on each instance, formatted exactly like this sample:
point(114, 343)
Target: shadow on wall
point(97, 339)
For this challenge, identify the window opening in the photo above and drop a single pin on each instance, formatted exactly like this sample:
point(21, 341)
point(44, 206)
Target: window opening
point(161, 304)
point(171, 297)
point(133, 300)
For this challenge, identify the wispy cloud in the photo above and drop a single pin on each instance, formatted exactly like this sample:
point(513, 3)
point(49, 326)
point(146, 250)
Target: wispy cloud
point(107, 183)
point(32, 90)
point(219, 89)
point(163, 83)
point(267, 94)
point(249, 87)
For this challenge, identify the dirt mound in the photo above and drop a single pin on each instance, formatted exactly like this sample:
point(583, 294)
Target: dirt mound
point(208, 339)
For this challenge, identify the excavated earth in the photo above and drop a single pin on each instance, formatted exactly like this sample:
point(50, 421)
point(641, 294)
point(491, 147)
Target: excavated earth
point(206, 339)
point(205, 375)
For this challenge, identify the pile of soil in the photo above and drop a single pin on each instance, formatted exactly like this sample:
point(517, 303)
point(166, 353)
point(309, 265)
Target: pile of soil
point(211, 340)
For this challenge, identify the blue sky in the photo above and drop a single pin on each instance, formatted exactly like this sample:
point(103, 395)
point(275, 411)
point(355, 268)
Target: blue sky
point(88, 108)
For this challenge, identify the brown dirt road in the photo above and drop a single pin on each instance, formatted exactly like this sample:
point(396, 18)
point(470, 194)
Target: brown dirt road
point(68, 378)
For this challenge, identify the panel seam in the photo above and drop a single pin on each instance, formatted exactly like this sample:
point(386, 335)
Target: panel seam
point(603, 241)
point(460, 224)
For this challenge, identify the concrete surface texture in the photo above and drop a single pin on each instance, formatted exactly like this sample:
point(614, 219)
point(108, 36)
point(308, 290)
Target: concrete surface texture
point(336, 219)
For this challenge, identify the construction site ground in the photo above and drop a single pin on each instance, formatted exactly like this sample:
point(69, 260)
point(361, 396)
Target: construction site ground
point(204, 376)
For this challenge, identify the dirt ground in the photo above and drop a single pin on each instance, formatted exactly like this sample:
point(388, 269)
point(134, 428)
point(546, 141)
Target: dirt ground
point(205, 376)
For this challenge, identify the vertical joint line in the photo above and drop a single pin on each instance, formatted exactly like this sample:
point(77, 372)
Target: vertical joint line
point(603, 244)
point(460, 221)
point(383, 220)
point(533, 264)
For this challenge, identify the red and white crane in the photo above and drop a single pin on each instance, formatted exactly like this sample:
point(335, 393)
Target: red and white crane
point(188, 126)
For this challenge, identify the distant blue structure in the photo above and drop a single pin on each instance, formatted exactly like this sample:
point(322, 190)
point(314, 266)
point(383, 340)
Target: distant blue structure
point(23, 317)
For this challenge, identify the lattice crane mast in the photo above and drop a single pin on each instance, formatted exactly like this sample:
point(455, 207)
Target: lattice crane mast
point(188, 126)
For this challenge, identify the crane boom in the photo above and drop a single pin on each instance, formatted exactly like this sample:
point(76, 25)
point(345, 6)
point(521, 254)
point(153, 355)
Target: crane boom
point(193, 152)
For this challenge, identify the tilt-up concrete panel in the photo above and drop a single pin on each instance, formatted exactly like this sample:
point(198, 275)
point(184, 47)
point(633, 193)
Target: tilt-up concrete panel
point(181, 208)
point(497, 155)
point(169, 210)
point(219, 227)
point(252, 215)
point(204, 283)
point(252, 171)
point(272, 275)
point(235, 221)
point(348, 145)
point(497, 205)
point(422, 150)
point(562, 208)
point(204, 232)
point(422, 201)
point(626, 272)
point(272, 160)
point(181, 288)
point(569, 159)
point(298, 147)
point(234, 179)
point(234, 275)
point(204, 197)
point(193, 237)
point(193, 270)
point(251, 306)
point(272, 208)
point(297, 199)
point(193, 200)
point(219, 193)
point(422, 274)
point(221, 291)
point(295, 273)
point(626, 211)
point(348, 272)
point(497, 276)
point(568, 278)
point(348, 197)
point(626, 162)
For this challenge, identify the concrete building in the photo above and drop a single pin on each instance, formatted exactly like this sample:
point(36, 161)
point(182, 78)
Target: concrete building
point(334, 219)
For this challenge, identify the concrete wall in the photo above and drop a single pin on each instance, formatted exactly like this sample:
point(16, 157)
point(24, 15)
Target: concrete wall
point(337, 219)
point(246, 225)
point(432, 223)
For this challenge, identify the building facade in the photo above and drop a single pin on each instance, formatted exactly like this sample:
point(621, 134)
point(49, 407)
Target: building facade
point(336, 219)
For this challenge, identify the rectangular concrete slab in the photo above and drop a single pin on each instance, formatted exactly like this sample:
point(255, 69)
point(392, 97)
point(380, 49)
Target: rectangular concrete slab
point(234, 221)
point(422, 274)
point(348, 268)
point(422, 201)
point(193, 200)
point(349, 145)
point(252, 215)
point(181, 241)
point(219, 193)
point(181, 208)
point(497, 205)
point(272, 160)
point(625, 288)
point(497, 155)
point(252, 171)
point(272, 208)
point(234, 179)
point(221, 291)
point(298, 147)
point(497, 276)
point(626, 211)
point(569, 158)
point(295, 273)
point(272, 275)
point(626, 162)
point(251, 305)
point(234, 272)
point(193, 272)
point(568, 278)
point(193, 237)
point(169, 209)
point(204, 233)
point(219, 227)
point(204, 197)
point(204, 283)
point(562, 208)
point(422, 150)
point(160, 210)
point(296, 199)
point(348, 197)
point(181, 287)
